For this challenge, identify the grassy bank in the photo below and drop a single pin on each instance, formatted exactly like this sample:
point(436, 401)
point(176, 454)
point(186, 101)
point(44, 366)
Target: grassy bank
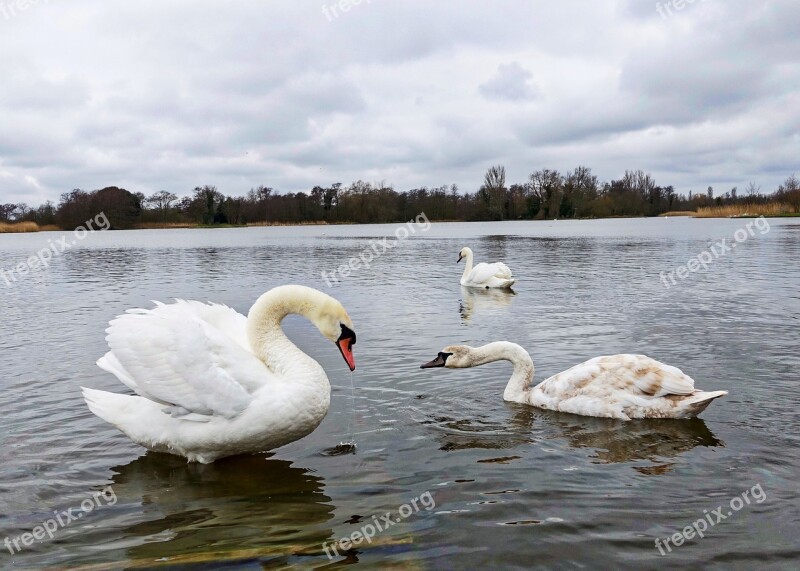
point(24, 227)
point(165, 226)
point(172, 225)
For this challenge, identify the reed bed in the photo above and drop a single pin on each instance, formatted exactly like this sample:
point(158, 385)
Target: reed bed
point(18, 227)
point(745, 210)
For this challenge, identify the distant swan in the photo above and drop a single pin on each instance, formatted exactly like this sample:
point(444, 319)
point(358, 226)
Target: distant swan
point(213, 383)
point(484, 275)
point(619, 386)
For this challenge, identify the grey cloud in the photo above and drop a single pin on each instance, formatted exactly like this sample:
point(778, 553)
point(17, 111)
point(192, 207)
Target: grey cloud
point(172, 95)
point(512, 82)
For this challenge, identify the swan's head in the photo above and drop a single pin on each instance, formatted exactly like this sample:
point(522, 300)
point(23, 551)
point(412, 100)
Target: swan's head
point(452, 357)
point(464, 253)
point(325, 312)
point(335, 325)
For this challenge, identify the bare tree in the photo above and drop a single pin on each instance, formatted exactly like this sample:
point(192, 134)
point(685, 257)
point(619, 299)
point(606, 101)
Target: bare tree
point(262, 194)
point(790, 192)
point(547, 186)
point(580, 188)
point(207, 199)
point(163, 201)
point(495, 193)
point(752, 189)
point(495, 178)
point(7, 212)
point(638, 181)
point(790, 184)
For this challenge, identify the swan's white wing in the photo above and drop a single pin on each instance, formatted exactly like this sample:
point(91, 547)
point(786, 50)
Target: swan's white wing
point(502, 271)
point(173, 355)
point(227, 320)
point(483, 273)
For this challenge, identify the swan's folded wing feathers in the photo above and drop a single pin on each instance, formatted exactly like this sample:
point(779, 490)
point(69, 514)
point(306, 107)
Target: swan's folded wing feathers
point(111, 364)
point(646, 375)
point(175, 357)
point(502, 271)
point(481, 273)
point(223, 318)
point(484, 273)
point(673, 381)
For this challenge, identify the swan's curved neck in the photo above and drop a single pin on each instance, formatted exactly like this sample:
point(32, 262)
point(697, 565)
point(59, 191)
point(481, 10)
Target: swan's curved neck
point(521, 379)
point(467, 265)
point(267, 339)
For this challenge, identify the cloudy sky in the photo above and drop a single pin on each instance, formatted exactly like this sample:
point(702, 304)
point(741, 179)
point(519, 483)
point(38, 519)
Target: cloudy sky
point(172, 94)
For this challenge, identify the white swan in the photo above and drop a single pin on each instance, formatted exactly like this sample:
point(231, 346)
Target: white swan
point(213, 383)
point(619, 386)
point(484, 275)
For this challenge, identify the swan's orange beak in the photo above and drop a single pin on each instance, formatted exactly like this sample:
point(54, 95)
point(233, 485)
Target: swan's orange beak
point(345, 344)
point(346, 347)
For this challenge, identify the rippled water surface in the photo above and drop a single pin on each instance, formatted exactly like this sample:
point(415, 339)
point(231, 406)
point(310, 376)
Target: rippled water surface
point(514, 487)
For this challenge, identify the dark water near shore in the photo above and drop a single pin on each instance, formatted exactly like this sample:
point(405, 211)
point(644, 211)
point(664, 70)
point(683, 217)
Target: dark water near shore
point(514, 487)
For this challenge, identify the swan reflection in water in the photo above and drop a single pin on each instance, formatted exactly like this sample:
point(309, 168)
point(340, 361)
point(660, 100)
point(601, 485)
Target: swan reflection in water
point(175, 511)
point(611, 441)
point(614, 441)
point(477, 300)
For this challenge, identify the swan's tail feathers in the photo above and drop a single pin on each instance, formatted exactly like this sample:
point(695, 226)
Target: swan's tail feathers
point(108, 406)
point(699, 401)
point(501, 283)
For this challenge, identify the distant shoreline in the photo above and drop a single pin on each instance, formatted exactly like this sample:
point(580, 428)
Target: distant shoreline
point(32, 227)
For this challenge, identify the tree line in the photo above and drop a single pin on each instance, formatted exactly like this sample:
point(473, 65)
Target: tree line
point(546, 194)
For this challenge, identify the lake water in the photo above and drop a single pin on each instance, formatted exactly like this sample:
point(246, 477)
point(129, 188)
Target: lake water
point(514, 487)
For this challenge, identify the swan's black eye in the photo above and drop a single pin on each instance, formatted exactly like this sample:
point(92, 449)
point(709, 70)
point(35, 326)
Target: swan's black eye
point(347, 333)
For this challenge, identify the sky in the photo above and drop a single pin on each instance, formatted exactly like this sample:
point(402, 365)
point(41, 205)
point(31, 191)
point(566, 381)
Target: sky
point(171, 94)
